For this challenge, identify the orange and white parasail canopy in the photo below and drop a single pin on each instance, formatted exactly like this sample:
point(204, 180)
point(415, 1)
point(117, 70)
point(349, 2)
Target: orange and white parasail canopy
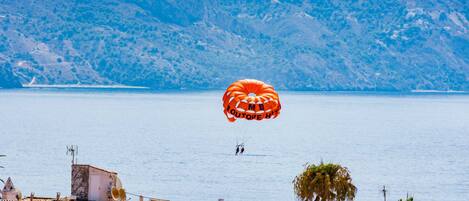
point(251, 100)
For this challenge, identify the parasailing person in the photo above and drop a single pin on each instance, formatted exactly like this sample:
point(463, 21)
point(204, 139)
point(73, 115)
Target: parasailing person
point(250, 99)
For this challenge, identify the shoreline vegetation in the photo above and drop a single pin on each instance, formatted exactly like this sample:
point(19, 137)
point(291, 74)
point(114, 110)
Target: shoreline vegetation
point(119, 86)
point(437, 91)
point(83, 86)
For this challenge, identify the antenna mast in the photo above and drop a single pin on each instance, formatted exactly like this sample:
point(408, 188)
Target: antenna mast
point(384, 192)
point(73, 151)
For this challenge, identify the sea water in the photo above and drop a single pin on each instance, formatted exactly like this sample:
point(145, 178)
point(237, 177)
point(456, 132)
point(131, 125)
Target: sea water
point(179, 146)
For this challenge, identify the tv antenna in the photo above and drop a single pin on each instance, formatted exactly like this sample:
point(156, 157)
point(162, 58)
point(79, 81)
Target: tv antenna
point(384, 192)
point(73, 151)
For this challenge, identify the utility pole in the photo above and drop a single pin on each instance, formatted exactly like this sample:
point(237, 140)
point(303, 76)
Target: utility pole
point(384, 192)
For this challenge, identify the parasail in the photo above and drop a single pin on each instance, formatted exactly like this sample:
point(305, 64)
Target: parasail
point(251, 100)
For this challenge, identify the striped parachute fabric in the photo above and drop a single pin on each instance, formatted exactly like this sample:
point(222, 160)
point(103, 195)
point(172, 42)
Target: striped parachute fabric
point(251, 100)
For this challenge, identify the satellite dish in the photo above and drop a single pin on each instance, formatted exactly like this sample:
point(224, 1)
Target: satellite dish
point(122, 194)
point(115, 193)
point(118, 183)
point(19, 195)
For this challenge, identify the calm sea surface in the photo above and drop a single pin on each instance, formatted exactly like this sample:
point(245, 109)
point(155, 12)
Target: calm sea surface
point(179, 146)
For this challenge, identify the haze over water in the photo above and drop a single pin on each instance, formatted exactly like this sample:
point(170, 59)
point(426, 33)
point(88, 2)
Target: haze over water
point(179, 146)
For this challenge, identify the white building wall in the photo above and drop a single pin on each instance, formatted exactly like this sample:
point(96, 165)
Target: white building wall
point(100, 184)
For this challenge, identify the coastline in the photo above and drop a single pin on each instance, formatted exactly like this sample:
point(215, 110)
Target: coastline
point(436, 91)
point(83, 86)
point(186, 90)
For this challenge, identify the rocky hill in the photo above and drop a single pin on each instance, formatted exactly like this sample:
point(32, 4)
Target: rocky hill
point(7, 79)
point(201, 44)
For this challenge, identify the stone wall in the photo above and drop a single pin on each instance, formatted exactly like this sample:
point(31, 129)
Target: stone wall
point(80, 185)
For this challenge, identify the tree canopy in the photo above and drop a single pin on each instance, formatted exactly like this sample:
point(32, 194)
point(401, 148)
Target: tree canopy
point(324, 182)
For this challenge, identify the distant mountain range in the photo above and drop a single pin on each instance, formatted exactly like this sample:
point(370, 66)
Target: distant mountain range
point(200, 44)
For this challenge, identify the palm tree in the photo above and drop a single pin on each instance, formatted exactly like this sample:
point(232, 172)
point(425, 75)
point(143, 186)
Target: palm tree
point(407, 199)
point(324, 182)
point(1, 155)
point(1, 180)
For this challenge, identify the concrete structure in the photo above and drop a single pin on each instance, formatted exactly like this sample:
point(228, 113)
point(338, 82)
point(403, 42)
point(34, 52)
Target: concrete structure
point(92, 183)
point(9, 192)
point(89, 183)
